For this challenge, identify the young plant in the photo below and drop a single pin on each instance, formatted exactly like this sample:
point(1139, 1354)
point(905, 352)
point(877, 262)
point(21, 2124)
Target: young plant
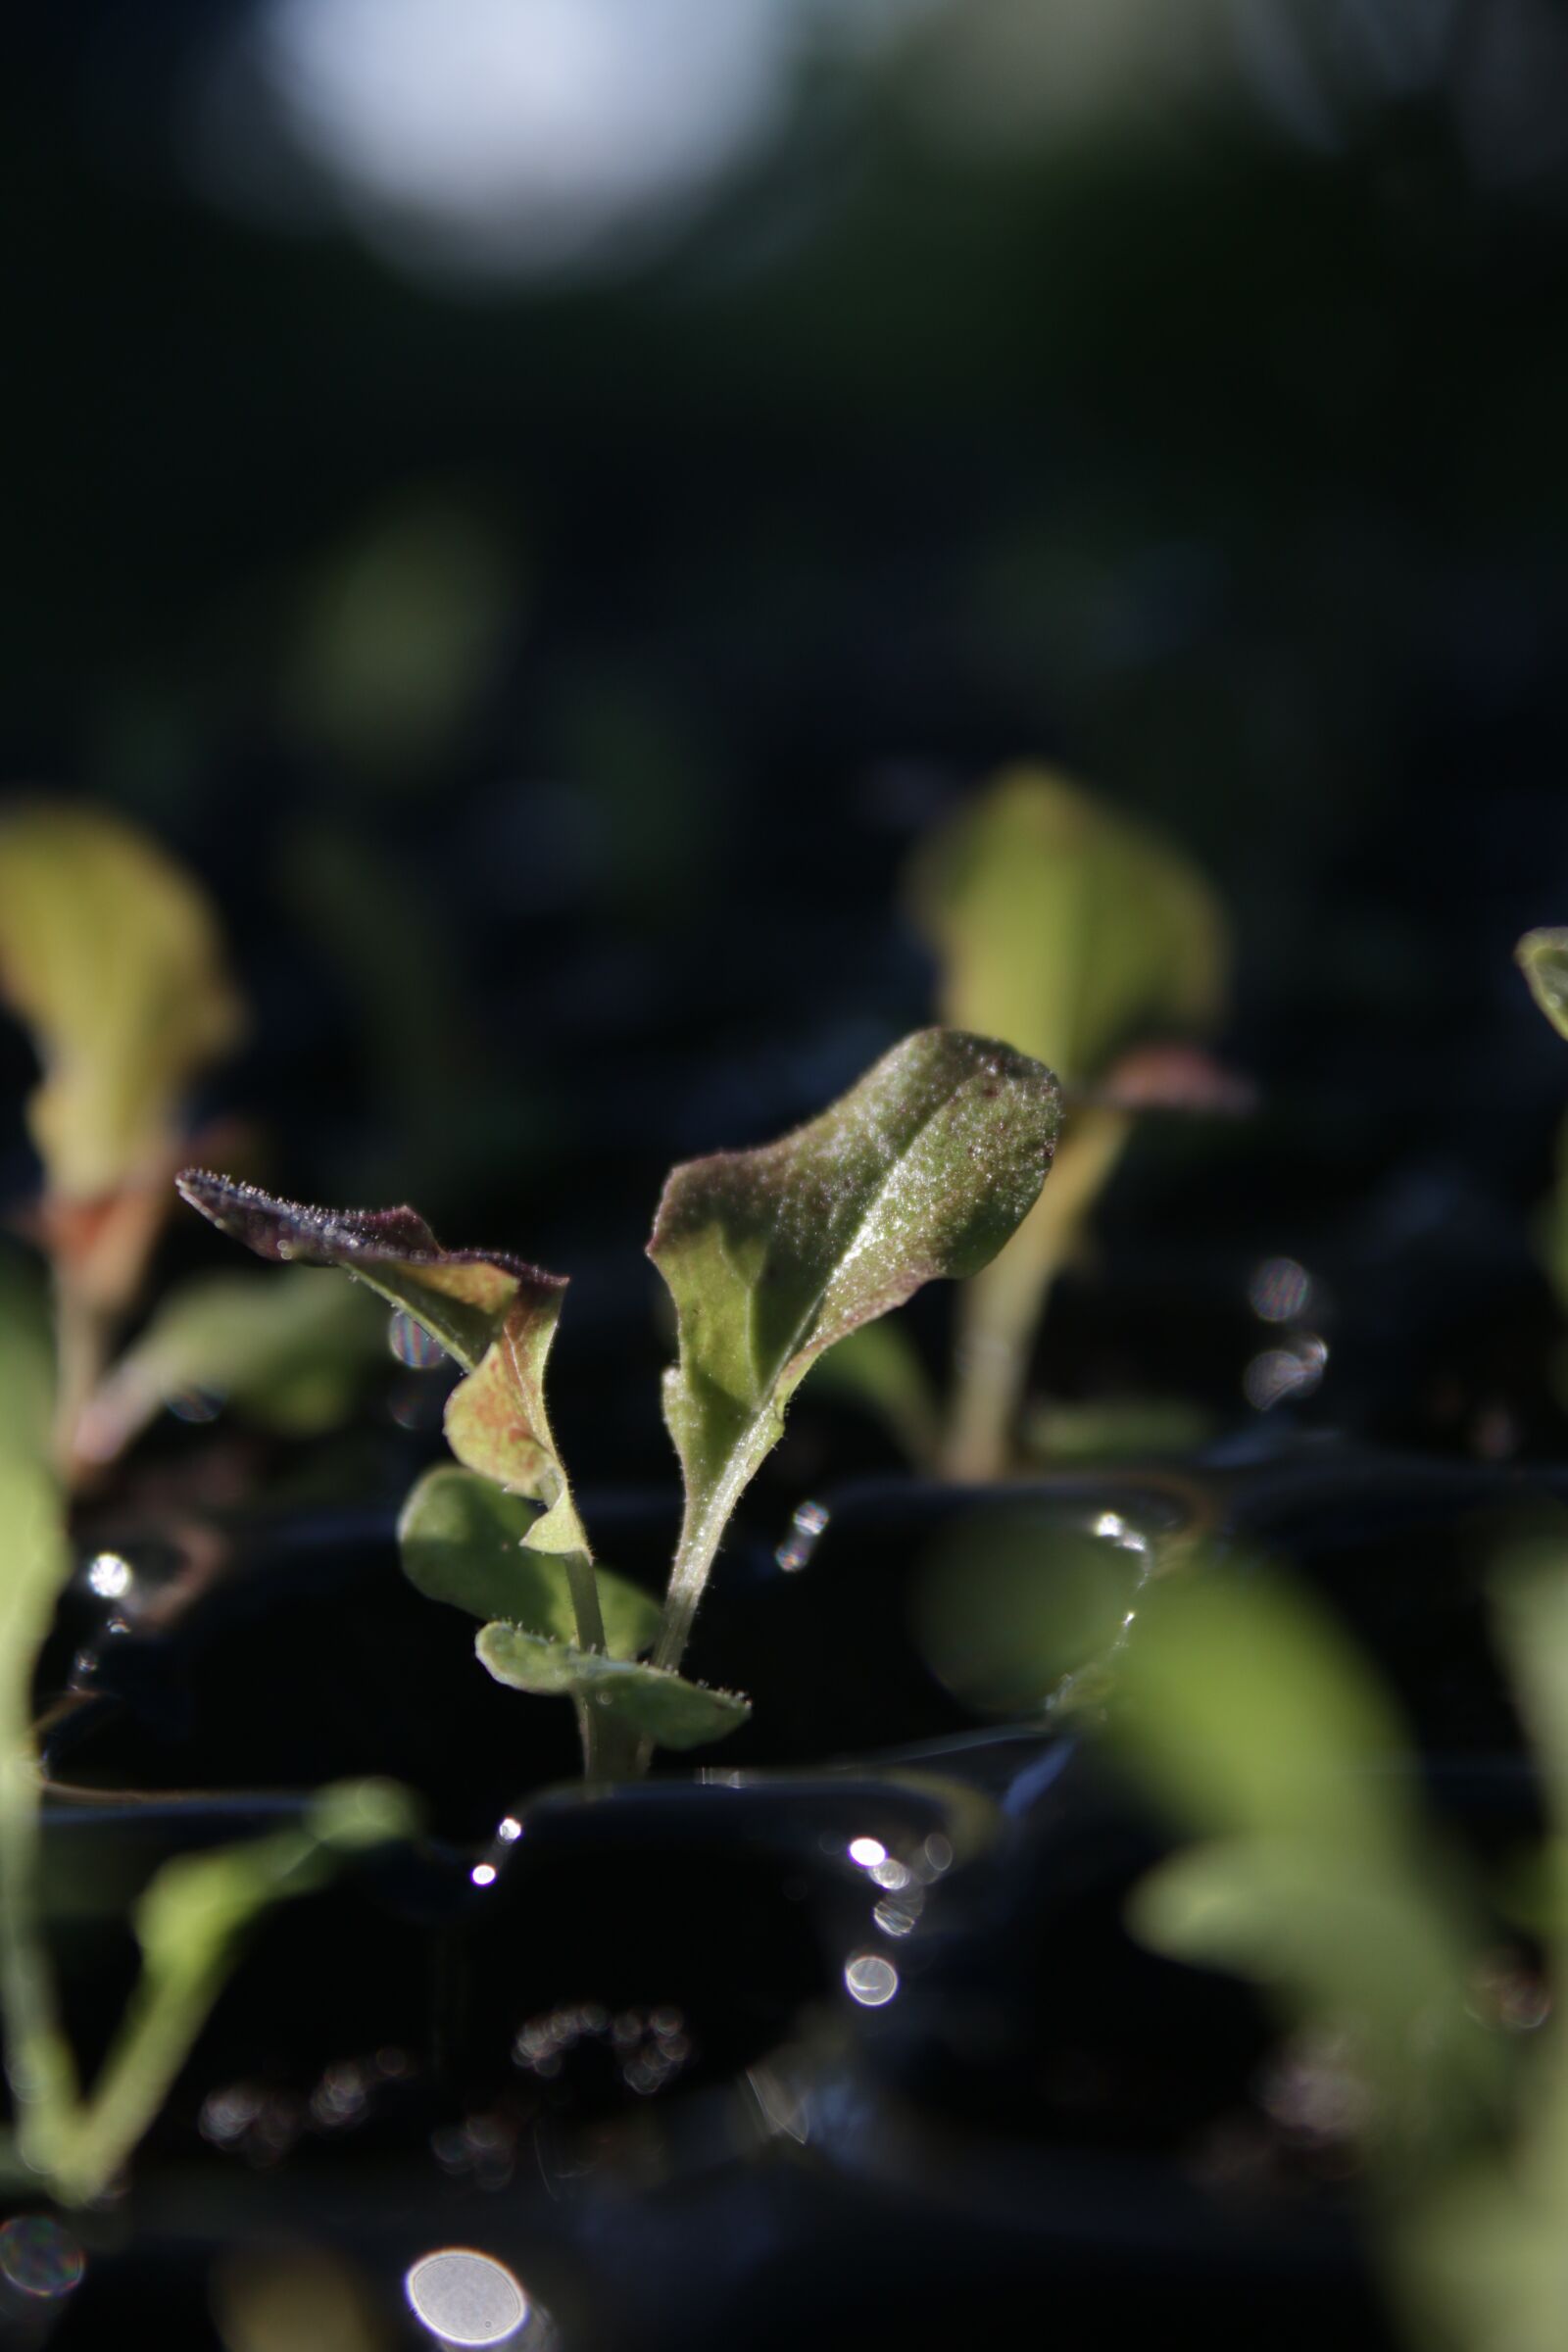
point(191, 1920)
point(1080, 937)
point(112, 959)
point(771, 1256)
point(1309, 1866)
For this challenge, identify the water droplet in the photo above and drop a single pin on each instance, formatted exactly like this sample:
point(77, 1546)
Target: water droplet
point(1279, 1289)
point(412, 1343)
point(896, 1915)
point(870, 1980)
point(867, 1853)
point(466, 2299)
point(805, 1531)
point(196, 1404)
point(1280, 1372)
point(110, 1575)
point(40, 2258)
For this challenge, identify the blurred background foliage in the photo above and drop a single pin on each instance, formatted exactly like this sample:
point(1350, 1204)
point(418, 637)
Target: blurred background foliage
point(543, 501)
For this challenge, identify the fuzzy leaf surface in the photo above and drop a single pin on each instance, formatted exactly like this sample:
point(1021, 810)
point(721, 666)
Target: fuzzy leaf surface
point(111, 956)
point(465, 1541)
point(923, 1169)
point(494, 1313)
point(659, 1707)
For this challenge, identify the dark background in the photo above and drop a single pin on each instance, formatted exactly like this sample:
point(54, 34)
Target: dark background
point(546, 593)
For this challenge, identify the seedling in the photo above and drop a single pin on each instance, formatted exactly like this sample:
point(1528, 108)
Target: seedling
point(112, 959)
point(771, 1256)
point(1308, 1864)
point(1082, 938)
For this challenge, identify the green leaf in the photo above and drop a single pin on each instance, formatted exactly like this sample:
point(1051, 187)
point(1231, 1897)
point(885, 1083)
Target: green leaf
point(465, 1541)
point(112, 958)
point(289, 1351)
point(190, 1924)
point(1252, 1724)
point(878, 1367)
point(658, 1705)
point(1542, 958)
point(494, 1313)
point(923, 1169)
point(1065, 927)
point(1244, 1709)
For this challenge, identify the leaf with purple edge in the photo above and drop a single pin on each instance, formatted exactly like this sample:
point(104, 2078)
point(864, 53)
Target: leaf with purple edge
point(492, 1313)
point(922, 1170)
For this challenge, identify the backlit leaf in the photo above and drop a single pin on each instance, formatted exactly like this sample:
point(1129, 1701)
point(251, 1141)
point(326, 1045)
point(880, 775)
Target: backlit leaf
point(1065, 926)
point(1542, 958)
point(493, 1314)
point(922, 1169)
point(290, 1351)
point(111, 956)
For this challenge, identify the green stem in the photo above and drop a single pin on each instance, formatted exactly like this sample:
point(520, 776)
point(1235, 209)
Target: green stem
point(592, 1728)
point(84, 1335)
point(701, 1532)
point(154, 2040)
point(999, 1310)
point(39, 2067)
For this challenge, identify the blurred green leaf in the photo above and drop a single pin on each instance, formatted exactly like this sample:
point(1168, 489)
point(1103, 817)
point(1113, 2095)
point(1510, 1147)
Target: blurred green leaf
point(1255, 1726)
point(1542, 958)
point(659, 1707)
point(290, 1351)
point(1245, 1710)
point(465, 1541)
point(1063, 926)
point(399, 634)
point(922, 1169)
point(111, 956)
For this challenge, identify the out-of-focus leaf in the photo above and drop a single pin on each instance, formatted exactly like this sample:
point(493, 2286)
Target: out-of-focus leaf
point(659, 1707)
point(290, 1351)
point(878, 1367)
point(1542, 958)
point(1377, 1949)
point(27, 1355)
point(465, 1541)
point(112, 958)
point(1246, 1711)
point(1256, 1727)
point(32, 1512)
point(190, 1924)
point(1115, 1429)
point(399, 632)
point(1065, 927)
point(923, 1169)
point(1530, 1608)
